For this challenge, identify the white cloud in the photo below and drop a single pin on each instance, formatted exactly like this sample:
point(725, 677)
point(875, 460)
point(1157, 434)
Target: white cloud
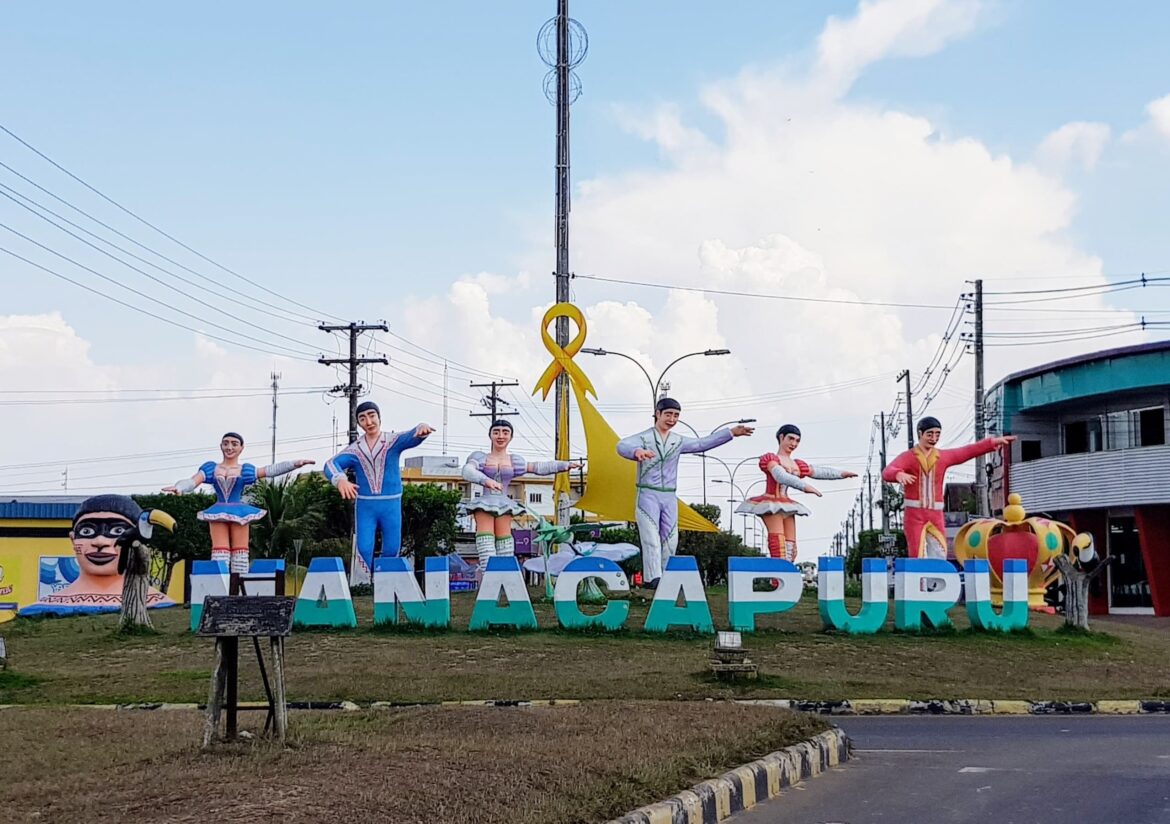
point(1159, 112)
point(1078, 143)
point(807, 195)
point(796, 191)
point(888, 28)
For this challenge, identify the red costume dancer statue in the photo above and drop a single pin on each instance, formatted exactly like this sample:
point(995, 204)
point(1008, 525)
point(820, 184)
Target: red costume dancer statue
point(922, 472)
point(774, 507)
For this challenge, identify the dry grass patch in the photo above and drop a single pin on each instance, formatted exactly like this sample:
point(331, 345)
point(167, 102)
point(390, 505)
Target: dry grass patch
point(455, 764)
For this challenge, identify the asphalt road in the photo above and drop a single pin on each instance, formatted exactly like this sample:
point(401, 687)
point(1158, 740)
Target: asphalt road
point(1006, 770)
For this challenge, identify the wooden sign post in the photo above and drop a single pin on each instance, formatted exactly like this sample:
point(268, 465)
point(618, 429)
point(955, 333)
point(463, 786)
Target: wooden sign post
point(227, 618)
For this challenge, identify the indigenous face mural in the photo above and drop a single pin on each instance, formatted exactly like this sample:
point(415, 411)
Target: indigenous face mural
point(102, 532)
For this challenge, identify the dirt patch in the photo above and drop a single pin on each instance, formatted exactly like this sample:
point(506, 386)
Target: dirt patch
point(461, 765)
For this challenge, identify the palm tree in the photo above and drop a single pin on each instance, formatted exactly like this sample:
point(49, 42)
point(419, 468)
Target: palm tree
point(293, 512)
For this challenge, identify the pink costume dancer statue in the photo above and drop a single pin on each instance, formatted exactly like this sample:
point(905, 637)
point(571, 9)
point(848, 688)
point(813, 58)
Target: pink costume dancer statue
point(774, 507)
point(493, 510)
point(229, 517)
point(922, 473)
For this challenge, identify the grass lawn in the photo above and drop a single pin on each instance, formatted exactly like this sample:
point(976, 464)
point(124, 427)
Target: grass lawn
point(80, 660)
point(424, 764)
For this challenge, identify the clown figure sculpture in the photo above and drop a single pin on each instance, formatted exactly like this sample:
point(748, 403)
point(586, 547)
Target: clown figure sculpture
point(373, 458)
point(774, 507)
point(657, 451)
point(493, 511)
point(229, 517)
point(922, 473)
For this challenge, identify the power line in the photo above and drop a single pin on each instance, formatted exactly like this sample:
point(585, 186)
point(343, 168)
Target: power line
point(146, 222)
point(765, 296)
point(1141, 280)
point(267, 309)
point(148, 313)
point(90, 401)
point(215, 308)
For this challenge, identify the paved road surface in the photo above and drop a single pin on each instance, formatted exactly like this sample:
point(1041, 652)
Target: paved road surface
point(1000, 770)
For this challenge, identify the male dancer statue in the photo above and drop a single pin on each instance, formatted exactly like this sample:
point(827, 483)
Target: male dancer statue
point(373, 457)
point(921, 471)
point(657, 451)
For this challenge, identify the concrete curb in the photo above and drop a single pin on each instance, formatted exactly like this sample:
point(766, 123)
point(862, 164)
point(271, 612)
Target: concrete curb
point(744, 787)
point(856, 706)
point(968, 706)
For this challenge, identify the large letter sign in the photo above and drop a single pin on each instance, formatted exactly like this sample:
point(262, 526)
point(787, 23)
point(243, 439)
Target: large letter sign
point(744, 603)
point(324, 600)
point(570, 616)
point(924, 589)
point(681, 575)
point(207, 578)
point(395, 585)
point(875, 601)
point(977, 574)
point(502, 575)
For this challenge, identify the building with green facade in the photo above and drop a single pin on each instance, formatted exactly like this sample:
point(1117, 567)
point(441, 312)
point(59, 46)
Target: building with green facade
point(1092, 451)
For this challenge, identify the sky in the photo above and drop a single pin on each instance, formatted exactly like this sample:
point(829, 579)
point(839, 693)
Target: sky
point(394, 161)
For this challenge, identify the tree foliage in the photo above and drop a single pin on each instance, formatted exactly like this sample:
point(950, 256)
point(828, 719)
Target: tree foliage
point(429, 520)
point(867, 546)
point(190, 540)
point(295, 510)
point(712, 549)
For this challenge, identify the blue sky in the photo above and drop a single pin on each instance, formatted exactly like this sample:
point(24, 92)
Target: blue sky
point(357, 142)
point(367, 158)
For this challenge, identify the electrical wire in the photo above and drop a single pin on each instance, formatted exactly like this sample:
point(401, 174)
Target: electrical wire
point(146, 312)
point(764, 295)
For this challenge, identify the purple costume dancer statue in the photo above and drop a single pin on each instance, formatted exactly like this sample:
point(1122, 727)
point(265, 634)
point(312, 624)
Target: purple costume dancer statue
point(494, 471)
point(657, 451)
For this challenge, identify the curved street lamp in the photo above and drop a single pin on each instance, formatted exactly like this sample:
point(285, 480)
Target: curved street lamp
point(653, 383)
point(703, 455)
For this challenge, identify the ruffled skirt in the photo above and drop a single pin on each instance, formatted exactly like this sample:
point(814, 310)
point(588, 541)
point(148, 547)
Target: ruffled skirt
point(771, 505)
point(242, 514)
point(494, 503)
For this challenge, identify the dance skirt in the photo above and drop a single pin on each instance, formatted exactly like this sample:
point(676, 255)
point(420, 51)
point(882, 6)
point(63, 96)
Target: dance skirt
point(232, 514)
point(496, 503)
point(771, 505)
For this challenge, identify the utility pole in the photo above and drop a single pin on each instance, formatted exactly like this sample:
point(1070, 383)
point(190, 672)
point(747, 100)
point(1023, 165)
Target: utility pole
point(571, 46)
point(275, 389)
point(444, 406)
point(493, 400)
point(909, 409)
point(885, 502)
point(353, 388)
point(869, 483)
point(981, 503)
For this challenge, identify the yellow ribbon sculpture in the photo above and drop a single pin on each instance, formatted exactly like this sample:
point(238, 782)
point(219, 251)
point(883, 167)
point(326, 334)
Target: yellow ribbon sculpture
point(610, 491)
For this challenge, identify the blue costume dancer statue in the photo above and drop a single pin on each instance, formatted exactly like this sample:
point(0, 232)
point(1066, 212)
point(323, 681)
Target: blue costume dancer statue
point(657, 451)
point(373, 458)
point(229, 517)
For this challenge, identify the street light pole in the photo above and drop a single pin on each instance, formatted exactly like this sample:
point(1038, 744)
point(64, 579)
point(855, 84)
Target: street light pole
point(703, 455)
point(653, 383)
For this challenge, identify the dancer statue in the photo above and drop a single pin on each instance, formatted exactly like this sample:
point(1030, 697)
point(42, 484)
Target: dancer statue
point(922, 473)
point(657, 451)
point(228, 518)
point(373, 458)
point(493, 510)
point(774, 507)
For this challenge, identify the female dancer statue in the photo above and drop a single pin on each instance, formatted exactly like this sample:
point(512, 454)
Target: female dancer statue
point(774, 507)
point(493, 511)
point(229, 517)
